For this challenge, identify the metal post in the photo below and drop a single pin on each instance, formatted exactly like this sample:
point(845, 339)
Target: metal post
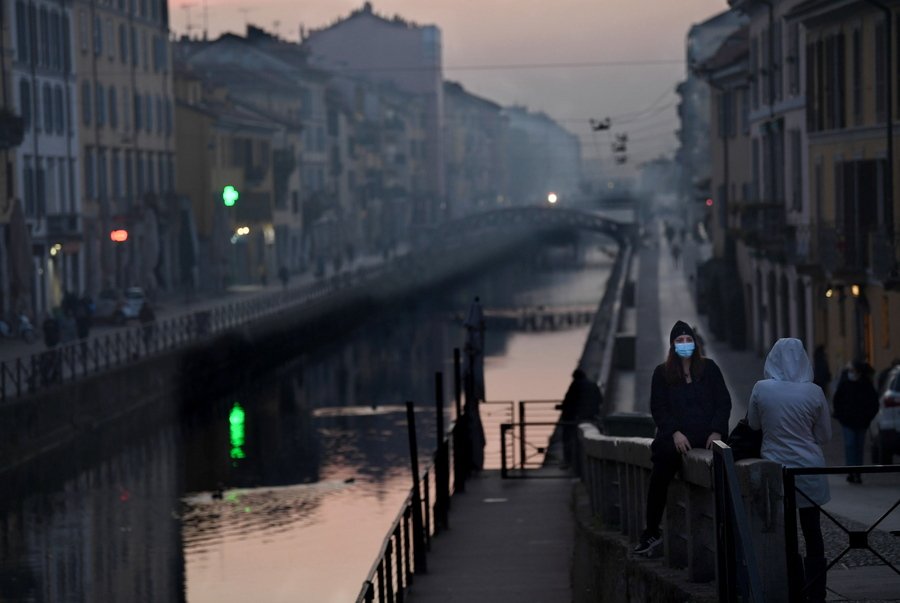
point(418, 535)
point(389, 570)
point(503, 429)
point(521, 435)
point(399, 539)
point(792, 554)
point(441, 465)
point(457, 382)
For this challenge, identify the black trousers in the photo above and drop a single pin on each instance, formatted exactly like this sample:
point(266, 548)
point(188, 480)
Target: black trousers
point(811, 527)
point(666, 463)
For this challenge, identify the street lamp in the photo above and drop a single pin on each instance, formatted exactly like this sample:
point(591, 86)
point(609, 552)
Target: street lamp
point(552, 198)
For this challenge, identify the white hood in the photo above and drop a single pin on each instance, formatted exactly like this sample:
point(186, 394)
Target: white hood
point(788, 361)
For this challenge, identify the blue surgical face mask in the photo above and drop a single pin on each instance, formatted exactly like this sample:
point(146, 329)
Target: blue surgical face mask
point(685, 350)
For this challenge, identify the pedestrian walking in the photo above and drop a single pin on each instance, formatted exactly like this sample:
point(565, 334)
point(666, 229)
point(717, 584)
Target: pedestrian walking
point(676, 253)
point(148, 323)
point(855, 405)
point(284, 276)
point(581, 403)
point(792, 412)
point(690, 404)
point(821, 371)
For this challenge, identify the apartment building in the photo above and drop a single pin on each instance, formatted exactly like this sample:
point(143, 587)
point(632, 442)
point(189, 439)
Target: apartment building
point(407, 55)
point(125, 123)
point(853, 199)
point(41, 87)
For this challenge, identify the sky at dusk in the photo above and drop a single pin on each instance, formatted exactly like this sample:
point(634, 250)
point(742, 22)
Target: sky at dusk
point(494, 48)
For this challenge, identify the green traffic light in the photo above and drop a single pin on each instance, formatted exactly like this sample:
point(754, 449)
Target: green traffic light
point(238, 435)
point(230, 195)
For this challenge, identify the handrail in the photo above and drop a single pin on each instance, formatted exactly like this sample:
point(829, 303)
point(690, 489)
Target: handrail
point(731, 521)
point(376, 574)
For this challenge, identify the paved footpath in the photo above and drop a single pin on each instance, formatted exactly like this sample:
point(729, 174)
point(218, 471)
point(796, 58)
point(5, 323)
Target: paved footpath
point(509, 541)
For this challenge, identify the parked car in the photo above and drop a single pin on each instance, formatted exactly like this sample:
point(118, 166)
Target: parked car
point(111, 305)
point(884, 431)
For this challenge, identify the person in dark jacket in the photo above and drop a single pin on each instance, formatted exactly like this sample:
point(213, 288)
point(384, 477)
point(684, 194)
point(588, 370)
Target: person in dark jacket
point(855, 405)
point(581, 403)
point(691, 405)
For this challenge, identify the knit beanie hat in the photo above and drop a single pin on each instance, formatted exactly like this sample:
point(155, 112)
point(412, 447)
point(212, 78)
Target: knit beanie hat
point(680, 328)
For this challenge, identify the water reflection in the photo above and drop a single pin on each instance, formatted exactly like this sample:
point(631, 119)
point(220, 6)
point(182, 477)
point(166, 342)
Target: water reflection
point(283, 490)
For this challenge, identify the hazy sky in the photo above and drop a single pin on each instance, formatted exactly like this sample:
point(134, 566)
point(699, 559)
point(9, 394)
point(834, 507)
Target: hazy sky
point(527, 33)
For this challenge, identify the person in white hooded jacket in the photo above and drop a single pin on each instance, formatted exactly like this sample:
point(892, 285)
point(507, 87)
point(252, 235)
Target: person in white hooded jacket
point(795, 420)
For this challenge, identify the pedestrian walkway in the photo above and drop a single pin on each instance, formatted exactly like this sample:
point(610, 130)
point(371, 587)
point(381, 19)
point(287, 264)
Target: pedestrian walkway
point(509, 541)
point(860, 580)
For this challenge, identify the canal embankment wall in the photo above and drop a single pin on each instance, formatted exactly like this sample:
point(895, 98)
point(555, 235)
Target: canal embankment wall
point(158, 387)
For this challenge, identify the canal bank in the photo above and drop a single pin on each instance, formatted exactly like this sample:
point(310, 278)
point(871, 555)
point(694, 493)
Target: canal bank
point(162, 385)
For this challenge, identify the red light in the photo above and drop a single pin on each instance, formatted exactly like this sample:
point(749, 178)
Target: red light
point(709, 203)
point(119, 236)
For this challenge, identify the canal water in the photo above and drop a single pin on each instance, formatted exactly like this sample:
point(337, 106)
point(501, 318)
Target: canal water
point(283, 492)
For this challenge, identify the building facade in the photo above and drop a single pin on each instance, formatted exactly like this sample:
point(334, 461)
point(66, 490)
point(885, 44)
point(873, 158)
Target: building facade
point(407, 55)
point(42, 88)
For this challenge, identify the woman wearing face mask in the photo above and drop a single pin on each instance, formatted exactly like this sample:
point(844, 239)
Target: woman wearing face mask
point(690, 405)
point(855, 405)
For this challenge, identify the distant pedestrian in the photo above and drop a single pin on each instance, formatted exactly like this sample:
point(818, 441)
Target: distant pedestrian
point(263, 276)
point(821, 371)
point(148, 323)
point(676, 254)
point(792, 412)
point(691, 405)
point(855, 405)
point(284, 276)
point(581, 404)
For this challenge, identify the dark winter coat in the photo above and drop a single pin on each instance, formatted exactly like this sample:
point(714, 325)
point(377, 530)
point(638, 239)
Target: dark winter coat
point(855, 403)
point(582, 401)
point(696, 409)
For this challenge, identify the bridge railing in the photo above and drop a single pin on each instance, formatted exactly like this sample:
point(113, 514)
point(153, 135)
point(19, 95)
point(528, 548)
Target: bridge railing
point(616, 476)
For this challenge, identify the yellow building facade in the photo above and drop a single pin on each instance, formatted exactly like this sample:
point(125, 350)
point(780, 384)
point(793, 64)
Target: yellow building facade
point(855, 207)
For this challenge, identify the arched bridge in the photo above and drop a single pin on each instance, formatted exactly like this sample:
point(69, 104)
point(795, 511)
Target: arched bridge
point(543, 217)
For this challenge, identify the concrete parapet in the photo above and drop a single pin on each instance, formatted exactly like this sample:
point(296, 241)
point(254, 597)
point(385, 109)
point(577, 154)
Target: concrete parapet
point(616, 475)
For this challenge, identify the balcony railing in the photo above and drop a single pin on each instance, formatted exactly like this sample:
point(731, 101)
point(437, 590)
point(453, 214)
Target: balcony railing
point(64, 226)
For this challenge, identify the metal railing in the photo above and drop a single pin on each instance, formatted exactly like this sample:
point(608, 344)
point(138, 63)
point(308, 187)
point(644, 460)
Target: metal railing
point(857, 539)
point(79, 359)
point(736, 556)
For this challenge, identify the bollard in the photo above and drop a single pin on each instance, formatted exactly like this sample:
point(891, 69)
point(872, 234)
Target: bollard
point(418, 543)
point(460, 450)
point(441, 468)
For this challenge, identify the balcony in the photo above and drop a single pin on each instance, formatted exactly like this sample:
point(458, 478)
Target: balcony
point(64, 227)
point(845, 252)
point(763, 227)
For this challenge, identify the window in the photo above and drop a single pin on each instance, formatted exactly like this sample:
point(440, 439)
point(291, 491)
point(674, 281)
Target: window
point(125, 117)
point(100, 99)
point(754, 71)
point(159, 116)
point(793, 59)
point(115, 168)
point(101, 174)
point(134, 47)
point(137, 112)
point(89, 186)
point(145, 51)
point(59, 110)
point(796, 171)
point(66, 45)
point(28, 187)
point(777, 59)
point(113, 108)
point(123, 43)
point(44, 50)
point(55, 40)
point(98, 36)
point(86, 103)
point(856, 70)
point(25, 102)
point(48, 109)
point(880, 83)
point(83, 29)
point(110, 40)
point(22, 45)
point(37, 108)
point(148, 113)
